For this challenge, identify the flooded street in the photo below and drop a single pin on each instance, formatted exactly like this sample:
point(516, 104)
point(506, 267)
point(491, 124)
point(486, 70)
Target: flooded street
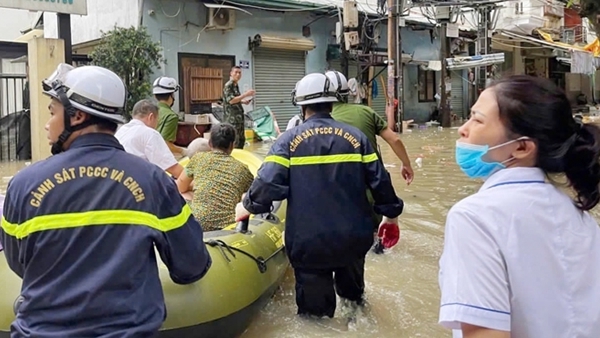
point(401, 286)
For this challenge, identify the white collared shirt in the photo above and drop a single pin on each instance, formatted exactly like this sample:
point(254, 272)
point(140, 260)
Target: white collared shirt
point(145, 142)
point(520, 257)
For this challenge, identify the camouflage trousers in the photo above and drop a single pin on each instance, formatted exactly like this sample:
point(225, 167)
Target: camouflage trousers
point(237, 120)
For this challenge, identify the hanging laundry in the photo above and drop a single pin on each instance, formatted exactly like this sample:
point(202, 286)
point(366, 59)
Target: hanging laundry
point(582, 62)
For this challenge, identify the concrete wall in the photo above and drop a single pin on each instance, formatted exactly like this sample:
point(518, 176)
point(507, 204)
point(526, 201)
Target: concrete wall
point(103, 15)
point(13, 21)
point(180, 28)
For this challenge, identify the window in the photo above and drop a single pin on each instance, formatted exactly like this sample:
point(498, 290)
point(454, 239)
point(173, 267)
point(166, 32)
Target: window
point(199, 77)
point(426, 85)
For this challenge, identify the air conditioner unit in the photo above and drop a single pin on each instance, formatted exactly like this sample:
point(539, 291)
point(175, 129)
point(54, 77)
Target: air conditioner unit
point(220, 18)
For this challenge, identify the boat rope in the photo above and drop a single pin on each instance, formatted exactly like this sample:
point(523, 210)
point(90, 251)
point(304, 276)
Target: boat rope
point(260, 262)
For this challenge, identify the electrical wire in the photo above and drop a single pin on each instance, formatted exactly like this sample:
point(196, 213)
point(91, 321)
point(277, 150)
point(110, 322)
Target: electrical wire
point(278, 10)
point(170, 16)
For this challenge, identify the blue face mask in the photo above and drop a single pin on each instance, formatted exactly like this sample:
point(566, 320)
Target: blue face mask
point(469, 158)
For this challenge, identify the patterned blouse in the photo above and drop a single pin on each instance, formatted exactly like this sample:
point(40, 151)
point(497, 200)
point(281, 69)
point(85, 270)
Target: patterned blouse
point(219, 182)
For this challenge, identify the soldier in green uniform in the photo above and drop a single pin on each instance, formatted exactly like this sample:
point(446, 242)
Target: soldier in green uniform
point(164, 89)
point(232, 104)
point(371, 124)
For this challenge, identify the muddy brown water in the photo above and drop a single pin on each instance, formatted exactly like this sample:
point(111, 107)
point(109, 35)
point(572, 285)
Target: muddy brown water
point(402, 285)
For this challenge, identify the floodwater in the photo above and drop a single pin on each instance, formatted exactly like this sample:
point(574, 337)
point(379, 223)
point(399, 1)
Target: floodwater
point(401, 286)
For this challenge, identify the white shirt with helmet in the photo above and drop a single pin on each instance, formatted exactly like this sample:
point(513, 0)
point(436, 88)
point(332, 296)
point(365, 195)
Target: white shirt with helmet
point(520, 257)
point(145, 142)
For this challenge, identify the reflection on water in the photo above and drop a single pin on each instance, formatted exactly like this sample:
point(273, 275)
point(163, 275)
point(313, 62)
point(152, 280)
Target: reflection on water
point(401, 286)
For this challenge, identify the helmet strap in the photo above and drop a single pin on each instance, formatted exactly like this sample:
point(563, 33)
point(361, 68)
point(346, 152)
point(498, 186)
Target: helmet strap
point(57, 147)
point(69, 111)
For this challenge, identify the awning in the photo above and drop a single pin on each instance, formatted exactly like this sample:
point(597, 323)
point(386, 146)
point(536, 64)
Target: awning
point(466, 62)
point(279, 42)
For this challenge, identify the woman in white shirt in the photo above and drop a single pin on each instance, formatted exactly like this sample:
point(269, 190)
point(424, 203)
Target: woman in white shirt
point(521, 259)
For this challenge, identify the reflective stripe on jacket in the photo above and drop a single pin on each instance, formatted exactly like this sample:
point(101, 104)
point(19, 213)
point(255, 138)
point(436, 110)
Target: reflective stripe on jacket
point(323, 168)
point(81, 229)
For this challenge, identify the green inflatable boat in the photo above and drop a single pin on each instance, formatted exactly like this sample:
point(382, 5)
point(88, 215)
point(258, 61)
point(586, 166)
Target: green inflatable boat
point(249, 263)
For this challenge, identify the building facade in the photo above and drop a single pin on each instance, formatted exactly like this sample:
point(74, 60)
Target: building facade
point(294, 40)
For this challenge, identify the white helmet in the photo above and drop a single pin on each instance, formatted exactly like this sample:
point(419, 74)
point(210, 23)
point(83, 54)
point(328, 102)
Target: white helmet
point(91, 89)
point(340, 83)
point(165, 85)
point(314, 88)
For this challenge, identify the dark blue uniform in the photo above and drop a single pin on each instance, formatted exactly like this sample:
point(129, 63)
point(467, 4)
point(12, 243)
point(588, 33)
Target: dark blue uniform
point(81, 228)
point(323, 168)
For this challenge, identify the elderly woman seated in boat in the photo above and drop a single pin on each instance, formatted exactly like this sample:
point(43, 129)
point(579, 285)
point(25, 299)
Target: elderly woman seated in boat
point(220, 180)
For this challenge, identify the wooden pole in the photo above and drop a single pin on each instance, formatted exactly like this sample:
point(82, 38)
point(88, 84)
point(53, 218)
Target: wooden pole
point(391, 82)
point(446, 122)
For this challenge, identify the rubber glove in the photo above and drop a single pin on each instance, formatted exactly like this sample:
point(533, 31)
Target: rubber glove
point(389, 232)
point(241, 213)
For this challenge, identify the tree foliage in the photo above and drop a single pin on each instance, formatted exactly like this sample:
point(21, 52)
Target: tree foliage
point(131, 54)
point(591, 9)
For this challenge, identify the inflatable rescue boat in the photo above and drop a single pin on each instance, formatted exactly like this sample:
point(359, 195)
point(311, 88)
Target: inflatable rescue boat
point(248, 264)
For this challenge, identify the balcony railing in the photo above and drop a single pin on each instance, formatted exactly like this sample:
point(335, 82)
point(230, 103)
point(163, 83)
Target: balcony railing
point(573, 34)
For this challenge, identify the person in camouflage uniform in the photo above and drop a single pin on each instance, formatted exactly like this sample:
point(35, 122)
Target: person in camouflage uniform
point(232, 104)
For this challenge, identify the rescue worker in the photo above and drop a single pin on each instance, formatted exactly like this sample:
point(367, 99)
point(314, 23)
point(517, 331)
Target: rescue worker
point(323, 168)
point(164, 89)
point(371, 124)
point(80, 228)
point(232, 103)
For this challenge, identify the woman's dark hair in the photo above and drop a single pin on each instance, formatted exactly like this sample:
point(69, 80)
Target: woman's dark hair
point(222, 136)
point(535, 107)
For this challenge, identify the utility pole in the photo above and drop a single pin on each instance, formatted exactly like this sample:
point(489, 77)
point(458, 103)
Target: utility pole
point(482, 45)
point(64, 32)
point(445, 112)
point(391, 51)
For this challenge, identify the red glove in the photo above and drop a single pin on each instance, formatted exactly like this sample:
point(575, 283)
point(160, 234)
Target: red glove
point(389, 233)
